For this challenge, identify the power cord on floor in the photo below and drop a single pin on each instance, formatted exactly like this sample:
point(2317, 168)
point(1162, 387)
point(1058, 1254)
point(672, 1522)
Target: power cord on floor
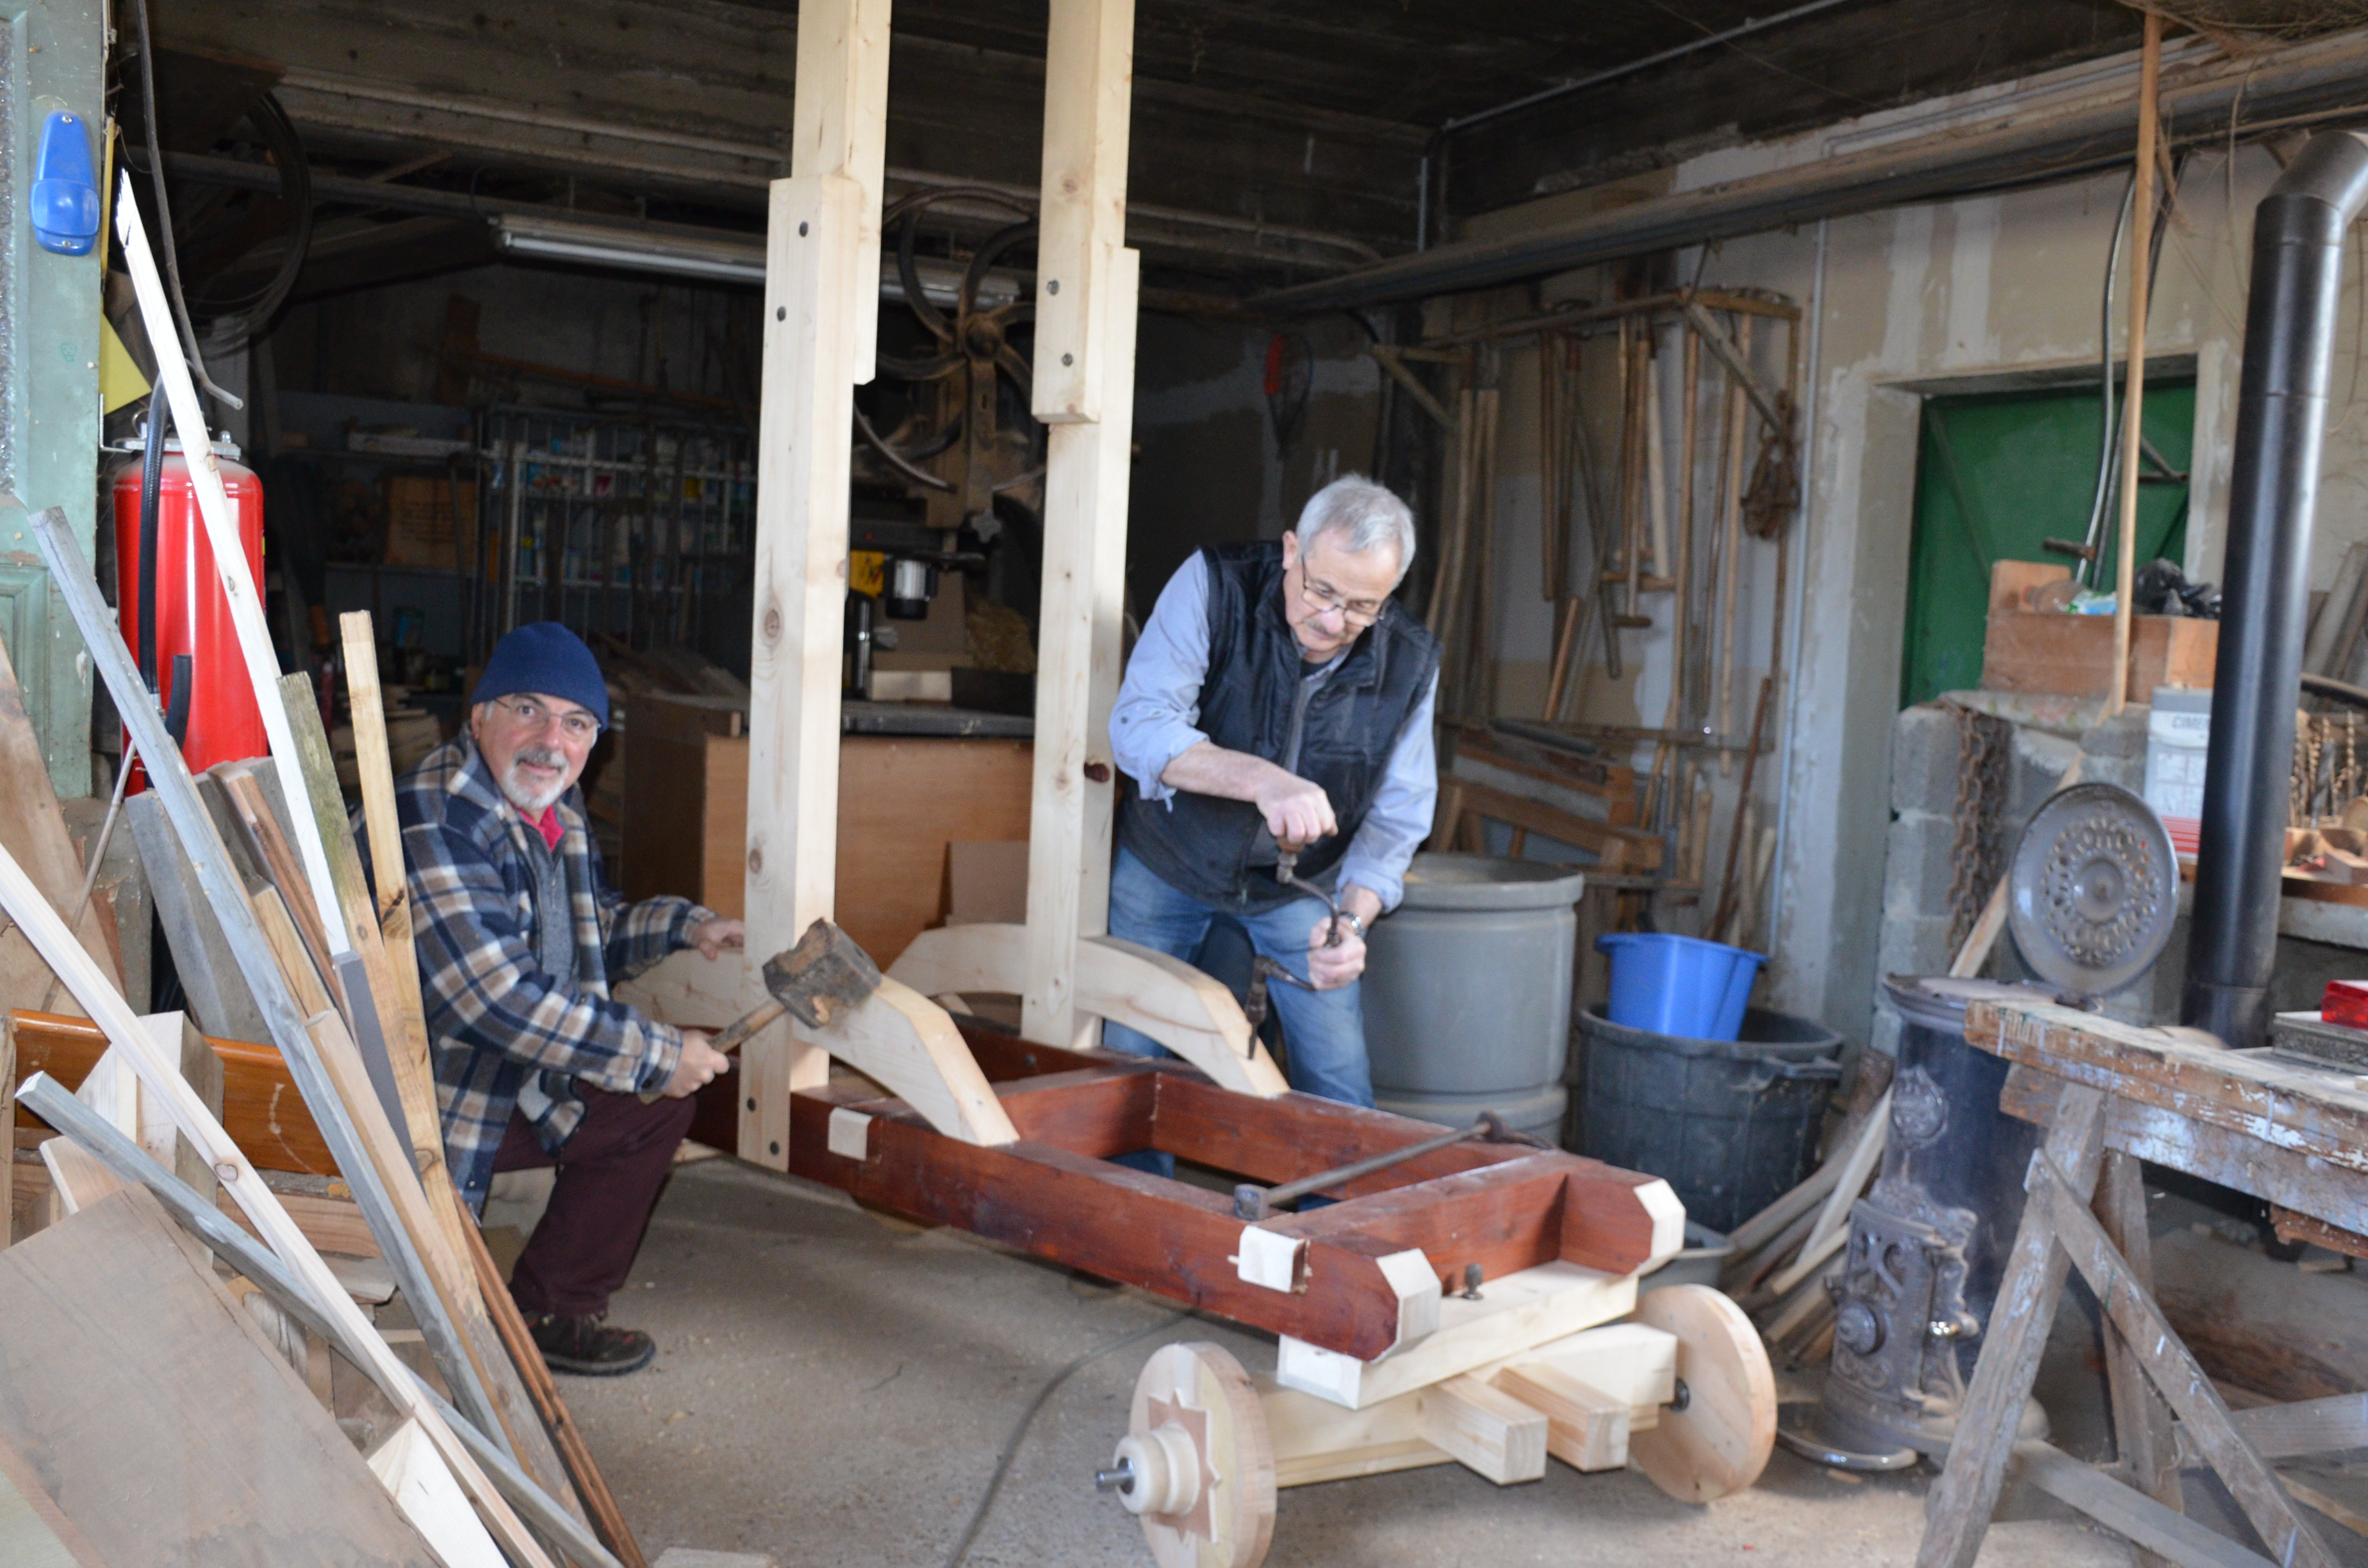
point(961, 1552)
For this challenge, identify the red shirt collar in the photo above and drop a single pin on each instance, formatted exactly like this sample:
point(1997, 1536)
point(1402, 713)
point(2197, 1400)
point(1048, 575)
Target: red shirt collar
point(548, 825)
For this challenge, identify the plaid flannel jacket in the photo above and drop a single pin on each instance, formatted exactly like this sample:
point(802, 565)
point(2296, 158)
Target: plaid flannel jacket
point(506, 1034)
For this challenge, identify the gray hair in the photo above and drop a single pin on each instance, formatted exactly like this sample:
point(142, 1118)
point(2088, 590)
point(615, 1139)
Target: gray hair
point(1363, 513)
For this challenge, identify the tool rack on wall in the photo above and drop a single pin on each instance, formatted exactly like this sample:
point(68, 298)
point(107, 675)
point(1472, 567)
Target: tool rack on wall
point(637, 529)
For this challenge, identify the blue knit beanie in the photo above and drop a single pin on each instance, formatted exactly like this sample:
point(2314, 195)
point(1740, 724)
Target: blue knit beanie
point(544, 656)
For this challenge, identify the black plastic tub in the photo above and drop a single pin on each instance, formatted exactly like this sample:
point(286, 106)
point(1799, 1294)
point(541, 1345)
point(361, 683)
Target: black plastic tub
point(1730, 1125)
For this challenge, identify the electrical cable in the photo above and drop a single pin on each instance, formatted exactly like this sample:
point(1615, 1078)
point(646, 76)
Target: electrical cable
point(2109, 475)
point(164, 207)
point(241, 319)
point(961, 1552)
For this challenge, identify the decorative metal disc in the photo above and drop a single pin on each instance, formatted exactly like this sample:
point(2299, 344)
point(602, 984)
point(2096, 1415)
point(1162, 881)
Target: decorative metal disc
point(2093, 889)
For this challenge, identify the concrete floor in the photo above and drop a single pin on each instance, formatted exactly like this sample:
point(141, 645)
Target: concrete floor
point(832, 1388)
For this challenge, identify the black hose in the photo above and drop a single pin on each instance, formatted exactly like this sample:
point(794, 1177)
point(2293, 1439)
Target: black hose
point(244, 319)
point(152, 484)
point(164, 207)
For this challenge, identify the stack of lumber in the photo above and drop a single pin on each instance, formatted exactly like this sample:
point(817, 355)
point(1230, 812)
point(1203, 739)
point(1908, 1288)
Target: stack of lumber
point(129, 1120)
point(1784, 1255)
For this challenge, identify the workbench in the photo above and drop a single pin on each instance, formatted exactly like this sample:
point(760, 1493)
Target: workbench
point(2110, 1094)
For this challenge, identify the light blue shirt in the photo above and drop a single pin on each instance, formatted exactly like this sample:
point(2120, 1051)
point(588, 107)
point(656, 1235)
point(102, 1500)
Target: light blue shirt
point(1158, 710)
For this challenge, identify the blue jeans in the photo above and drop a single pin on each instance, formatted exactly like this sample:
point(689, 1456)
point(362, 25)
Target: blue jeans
point(1324, 1031)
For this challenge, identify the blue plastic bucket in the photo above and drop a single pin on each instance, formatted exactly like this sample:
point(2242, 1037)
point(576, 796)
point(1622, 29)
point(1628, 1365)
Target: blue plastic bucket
point(1679, 985)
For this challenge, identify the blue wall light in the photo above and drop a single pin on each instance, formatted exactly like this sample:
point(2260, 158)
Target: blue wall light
point(65, 188)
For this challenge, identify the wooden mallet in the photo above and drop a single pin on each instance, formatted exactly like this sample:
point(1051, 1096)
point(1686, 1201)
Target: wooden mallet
point(815, 981)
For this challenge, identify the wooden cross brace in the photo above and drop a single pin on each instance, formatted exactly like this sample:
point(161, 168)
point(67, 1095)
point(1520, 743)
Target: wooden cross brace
point(2057, 1232)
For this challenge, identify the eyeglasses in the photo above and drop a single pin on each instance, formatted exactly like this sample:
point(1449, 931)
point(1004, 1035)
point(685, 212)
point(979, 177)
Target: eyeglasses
point(526, 713)
point(1322, 599)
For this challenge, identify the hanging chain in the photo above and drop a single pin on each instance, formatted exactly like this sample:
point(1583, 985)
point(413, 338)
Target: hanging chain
point(1984, 750)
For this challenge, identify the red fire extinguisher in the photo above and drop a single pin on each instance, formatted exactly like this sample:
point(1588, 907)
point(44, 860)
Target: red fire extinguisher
point(170, 604)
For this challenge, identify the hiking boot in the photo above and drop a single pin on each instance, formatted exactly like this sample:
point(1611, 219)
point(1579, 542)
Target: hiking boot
point(589, 1347)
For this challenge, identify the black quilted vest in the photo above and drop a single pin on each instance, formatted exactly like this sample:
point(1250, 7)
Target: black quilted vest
point(1200, 844)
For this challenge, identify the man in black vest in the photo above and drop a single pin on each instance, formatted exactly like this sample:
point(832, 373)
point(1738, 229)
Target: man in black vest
point(1278, 695)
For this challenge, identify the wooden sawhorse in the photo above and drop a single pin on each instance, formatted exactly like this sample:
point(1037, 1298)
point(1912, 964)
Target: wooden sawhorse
point(2111, 1094)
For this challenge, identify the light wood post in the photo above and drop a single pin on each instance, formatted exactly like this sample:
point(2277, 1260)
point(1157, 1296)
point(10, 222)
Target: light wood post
point(821, 286)
point(2134, 386)
point(1083, 388)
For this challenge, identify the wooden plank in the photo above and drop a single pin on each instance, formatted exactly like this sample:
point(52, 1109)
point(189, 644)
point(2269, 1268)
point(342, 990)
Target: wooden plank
point(1085, 352)
point(2298, 1183)
point(1314, 1440)
point(2172, 1370)
point(565, 1435)
point(170, 1431)
point(1484, 1428)
point(388, 904)
point(261, 1108)
point(2072, 656)
point(2277, 1101)
point(1957, 1512)
point(1514, 1316)
point(2144, 1448)
point(1123, 1225)
point(259, 827)
point(215, 990)
point(206, 852)
point(406, 1464)
point(1586, 1428)
point(2307, 1426)
point(238, 586)
point(33, 1533)
point(812, 299)
point(822, 269)
point(839, 127)
point(1073, 799)
point(35, 832)
point(1167, 999)
point(8, 1127)
point(2162, 1532)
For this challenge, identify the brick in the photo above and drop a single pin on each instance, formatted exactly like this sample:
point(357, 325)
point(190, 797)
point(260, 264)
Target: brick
point(1924, 759)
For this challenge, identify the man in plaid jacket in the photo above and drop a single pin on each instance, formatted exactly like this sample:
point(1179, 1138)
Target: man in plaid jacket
point(518, 935)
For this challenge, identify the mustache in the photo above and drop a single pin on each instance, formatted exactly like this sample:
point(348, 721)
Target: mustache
point(541, 756)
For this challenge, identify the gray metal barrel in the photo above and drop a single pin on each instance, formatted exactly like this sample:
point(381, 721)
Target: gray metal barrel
point(1467, 992)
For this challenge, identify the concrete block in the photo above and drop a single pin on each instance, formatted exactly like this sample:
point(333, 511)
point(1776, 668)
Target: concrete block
point(1917, 866)
point(2040, 760)
point(1914, 944)
point(1924, 759)
point(2124, 735)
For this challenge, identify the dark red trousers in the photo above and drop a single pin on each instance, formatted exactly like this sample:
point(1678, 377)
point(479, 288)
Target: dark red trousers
point(609, 1175)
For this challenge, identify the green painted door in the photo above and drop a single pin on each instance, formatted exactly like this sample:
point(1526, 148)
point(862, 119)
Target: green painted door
point(1999, 475)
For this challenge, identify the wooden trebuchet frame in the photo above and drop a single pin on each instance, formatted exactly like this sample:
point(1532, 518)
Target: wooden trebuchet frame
point(1360, 1278)
point(1183, 1009)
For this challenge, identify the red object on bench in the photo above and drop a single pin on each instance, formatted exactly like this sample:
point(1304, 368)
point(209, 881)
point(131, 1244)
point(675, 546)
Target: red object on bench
point(2346, 1003)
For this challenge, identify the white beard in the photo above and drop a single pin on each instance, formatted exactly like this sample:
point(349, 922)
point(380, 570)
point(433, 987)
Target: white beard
point(526, 800)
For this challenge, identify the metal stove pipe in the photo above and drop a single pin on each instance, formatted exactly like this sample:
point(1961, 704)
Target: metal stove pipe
point(2281, 419)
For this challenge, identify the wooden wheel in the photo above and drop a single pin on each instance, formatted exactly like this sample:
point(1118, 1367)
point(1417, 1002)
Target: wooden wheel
point(1715, 1436)
point(1202, 1468)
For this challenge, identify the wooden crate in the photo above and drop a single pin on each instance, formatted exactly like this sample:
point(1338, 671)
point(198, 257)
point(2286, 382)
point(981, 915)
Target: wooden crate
point(902, 800)
point(2072, 656)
